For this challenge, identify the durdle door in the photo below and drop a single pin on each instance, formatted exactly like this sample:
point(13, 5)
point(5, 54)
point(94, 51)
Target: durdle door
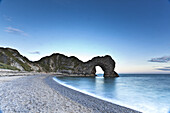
point(57, 63)
point(106, 63)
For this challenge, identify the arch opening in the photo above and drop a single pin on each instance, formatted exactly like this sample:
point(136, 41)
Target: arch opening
point(99, 71)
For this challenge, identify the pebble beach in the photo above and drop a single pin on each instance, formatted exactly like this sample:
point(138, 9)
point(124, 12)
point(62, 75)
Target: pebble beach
point(41, 94)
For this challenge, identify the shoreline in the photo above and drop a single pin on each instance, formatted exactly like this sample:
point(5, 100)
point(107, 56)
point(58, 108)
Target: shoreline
point(40, 93)
point(93, 95)
point(89, 101)
point(30, 94)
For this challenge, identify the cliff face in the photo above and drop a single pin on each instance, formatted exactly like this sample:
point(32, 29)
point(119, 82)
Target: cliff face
point(13, 58)
point(58, 63)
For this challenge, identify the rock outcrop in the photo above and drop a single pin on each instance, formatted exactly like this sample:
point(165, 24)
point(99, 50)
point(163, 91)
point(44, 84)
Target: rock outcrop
point(13, 59)
point(70, 66)
point(106, 63)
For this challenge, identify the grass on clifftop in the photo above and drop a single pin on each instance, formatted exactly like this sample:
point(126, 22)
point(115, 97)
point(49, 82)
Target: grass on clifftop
point(5, 66)
point(24, 65)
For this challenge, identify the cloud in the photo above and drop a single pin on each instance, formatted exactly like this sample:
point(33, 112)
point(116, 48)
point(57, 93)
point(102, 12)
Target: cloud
point(35, 52)
point(15, 31)
point(164, 69)
point(164, 59)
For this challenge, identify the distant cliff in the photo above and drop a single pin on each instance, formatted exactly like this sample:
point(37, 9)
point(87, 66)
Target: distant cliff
point(11, 58)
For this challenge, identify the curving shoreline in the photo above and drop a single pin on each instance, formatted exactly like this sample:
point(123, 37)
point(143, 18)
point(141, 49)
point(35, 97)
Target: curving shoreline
point(30, 94)
point(97, 105)
point(40, 93)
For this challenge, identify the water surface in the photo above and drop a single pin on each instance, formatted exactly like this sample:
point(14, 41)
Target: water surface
point(149, 93)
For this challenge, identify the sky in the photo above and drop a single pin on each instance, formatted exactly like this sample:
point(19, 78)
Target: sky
point(135, 33)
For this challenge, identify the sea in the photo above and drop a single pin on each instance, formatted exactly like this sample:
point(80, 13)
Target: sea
point(148, 93)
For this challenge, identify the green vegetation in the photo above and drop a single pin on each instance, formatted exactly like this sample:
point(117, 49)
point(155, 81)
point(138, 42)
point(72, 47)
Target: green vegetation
point(5, 66)
point(24, 65)
point(39, 70)
point(45, 65)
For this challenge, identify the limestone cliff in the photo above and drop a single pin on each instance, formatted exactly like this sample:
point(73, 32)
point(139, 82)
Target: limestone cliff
point(13, 58)
point(70, 66)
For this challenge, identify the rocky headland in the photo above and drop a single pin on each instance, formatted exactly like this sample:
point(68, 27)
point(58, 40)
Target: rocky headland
point(56, 63)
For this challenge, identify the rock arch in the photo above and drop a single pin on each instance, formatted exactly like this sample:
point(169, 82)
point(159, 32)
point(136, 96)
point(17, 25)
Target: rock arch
point(58, 64)
point(106, 63)
point(103, 68)
point(98, 70)
point(72, 66)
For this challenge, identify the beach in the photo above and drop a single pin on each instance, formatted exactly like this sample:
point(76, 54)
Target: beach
point(40, 93)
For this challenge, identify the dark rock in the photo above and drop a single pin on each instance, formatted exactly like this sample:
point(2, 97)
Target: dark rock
point(106, 63)
point(70, 66)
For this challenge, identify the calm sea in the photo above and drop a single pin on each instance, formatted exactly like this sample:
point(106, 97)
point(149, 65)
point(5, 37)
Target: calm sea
point(148, 93)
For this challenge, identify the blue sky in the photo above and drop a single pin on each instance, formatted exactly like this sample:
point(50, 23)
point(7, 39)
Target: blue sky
point(136, 33)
